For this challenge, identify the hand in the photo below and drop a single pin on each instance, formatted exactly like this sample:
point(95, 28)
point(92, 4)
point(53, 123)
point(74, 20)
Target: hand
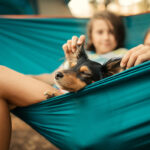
point(71, 45)
point(135, 56)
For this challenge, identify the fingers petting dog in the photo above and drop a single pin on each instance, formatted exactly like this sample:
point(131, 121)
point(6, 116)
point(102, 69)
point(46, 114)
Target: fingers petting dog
point(72, 57)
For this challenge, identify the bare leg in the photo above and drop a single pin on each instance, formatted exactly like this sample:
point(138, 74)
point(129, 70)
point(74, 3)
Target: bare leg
point(19, 90)
point(5, 125)
point(22, 90)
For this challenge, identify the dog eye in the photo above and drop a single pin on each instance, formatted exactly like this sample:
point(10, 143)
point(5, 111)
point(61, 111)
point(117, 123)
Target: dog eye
point(85, 73)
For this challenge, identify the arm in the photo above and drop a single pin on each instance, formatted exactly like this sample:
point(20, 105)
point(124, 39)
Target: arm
point(135, 56)
point(47, 77)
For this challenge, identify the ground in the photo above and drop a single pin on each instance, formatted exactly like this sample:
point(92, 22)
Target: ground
point(25, 138)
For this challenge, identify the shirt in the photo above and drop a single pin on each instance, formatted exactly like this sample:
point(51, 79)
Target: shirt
point(119, 53)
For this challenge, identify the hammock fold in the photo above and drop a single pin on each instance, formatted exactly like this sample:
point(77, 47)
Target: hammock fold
point(113, 113)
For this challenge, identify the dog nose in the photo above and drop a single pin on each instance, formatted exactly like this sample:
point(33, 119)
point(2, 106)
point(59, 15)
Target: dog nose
point(58, 75)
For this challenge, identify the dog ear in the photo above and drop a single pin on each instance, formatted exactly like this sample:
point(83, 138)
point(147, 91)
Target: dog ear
point(112, 67)
point(81, 52)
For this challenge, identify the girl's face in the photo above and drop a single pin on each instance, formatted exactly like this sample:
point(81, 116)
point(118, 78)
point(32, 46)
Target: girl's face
point(102, 36)
point(147, 39)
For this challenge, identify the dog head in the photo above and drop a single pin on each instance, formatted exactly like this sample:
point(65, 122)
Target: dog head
point(84, 71)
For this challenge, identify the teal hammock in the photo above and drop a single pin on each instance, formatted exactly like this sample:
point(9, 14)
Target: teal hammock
point(110, 114)
point(10, 7)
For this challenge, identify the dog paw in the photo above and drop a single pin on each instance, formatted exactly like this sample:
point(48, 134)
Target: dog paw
point(50, 94)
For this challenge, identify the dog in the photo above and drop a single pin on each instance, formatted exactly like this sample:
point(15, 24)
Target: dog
point(82, 71)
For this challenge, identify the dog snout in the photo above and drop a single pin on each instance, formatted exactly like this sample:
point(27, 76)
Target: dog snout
point(58, 75)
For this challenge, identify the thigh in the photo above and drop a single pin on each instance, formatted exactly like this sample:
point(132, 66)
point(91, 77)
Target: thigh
point(21, 90)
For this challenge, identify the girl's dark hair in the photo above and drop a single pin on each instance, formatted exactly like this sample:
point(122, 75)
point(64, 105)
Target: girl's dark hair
point(117, 23)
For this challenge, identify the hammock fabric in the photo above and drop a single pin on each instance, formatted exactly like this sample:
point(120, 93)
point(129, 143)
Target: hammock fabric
point(113, 113)
point(16, 7)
